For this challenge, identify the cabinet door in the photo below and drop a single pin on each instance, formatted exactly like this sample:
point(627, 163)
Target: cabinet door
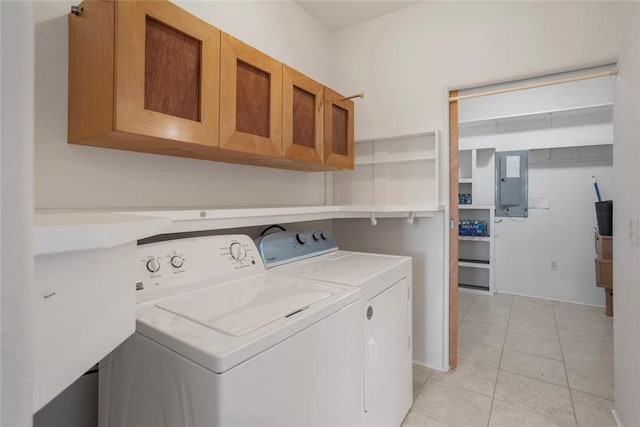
point(302, 117)
point(250, 100)
point(338, 131)
point(167, 73)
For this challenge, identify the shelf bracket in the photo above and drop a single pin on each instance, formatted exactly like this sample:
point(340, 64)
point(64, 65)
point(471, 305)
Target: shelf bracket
point(374, 221)
point(410, 218)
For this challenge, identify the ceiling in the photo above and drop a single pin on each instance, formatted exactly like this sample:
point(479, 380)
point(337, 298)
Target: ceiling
point(338, 14)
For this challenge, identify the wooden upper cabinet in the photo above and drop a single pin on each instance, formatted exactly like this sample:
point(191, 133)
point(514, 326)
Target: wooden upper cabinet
point(338, 131)
point(302, 118)
point(250, 100)
point(148, 76)
point(144, 76)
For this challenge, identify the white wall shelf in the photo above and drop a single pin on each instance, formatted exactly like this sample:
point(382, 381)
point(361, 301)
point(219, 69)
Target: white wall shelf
point(400, 171)
point(218, 219)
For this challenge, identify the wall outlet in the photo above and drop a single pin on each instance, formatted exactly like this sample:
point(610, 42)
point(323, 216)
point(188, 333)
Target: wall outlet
point(634, 230)
point(554, 265)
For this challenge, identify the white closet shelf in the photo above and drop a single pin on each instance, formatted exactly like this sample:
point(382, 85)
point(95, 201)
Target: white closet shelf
point(536, 114)
point(429, 158)
point(215, 219)
point(474, 265)
point(474, 238)
point(465, 180)
point(478, 207)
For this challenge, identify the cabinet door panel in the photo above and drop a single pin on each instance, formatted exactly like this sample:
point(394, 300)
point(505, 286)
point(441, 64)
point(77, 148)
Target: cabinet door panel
point(338, 132)
point(172, 71)
point(250, 100)
point(167, 65)
point(303, 117)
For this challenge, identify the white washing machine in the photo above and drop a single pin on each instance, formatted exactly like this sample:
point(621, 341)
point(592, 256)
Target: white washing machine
point(221, 342)
point(385, 312)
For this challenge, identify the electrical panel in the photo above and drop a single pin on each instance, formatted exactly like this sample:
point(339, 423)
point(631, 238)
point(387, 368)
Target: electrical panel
point(512, 194)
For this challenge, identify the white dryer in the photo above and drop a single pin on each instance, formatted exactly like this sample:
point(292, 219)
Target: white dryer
point(221, 342)
point(385, 311)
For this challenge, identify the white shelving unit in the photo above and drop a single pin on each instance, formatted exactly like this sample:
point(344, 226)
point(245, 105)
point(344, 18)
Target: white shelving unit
point(476, 253)
point(476, 263)
point(398, 171)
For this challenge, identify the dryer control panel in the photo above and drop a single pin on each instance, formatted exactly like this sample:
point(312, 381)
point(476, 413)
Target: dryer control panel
point(289, 246)
point(169, 267)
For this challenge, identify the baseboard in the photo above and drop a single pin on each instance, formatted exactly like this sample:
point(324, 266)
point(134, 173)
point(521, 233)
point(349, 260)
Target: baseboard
point(427, 366)
point(617, 418)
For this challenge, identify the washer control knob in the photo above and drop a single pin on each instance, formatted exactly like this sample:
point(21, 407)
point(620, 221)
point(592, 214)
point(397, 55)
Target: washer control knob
point(316, 236)
point(153, 265)
point(301, 238)
point(177, 261)
point(324, 235)
point(237, 251)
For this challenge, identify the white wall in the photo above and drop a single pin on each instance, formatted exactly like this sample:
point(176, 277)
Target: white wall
point(626, 263)
point(406, 62)
point(70, 176)
point(16, 213)
point(563, 233)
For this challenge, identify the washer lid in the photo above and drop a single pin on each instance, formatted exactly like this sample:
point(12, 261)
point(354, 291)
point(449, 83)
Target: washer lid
point(242, 306)
point(348, 268)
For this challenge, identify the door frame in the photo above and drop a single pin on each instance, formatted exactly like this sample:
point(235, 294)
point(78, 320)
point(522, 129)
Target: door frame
point(453, 230)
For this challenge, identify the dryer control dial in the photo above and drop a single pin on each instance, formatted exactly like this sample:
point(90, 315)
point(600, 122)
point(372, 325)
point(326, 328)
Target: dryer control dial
point(153, 265)
point(301, 238)
point(177, 261)
point(237, 251)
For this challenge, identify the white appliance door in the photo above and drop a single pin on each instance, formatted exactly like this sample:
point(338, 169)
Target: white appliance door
point(387, 356)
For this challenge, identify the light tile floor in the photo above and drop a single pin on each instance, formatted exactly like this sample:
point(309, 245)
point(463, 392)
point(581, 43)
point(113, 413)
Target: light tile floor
point(522, 362)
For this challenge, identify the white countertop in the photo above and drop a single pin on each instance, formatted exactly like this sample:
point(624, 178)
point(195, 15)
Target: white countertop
point(56, 232)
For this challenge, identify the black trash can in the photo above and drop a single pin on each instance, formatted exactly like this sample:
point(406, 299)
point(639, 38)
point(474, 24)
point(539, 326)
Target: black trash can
point(604, 214)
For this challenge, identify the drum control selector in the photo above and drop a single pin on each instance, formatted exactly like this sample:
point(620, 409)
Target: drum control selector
point(177, 261)
point(237, 251)
point(316, 236)
point(324, 235)
point(153, 265)
point(301, 238)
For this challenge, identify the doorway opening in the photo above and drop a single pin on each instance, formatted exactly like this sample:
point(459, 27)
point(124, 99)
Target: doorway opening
point(557, 132)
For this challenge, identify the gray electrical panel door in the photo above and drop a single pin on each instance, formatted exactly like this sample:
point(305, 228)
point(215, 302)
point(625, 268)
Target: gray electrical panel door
point(512, 194)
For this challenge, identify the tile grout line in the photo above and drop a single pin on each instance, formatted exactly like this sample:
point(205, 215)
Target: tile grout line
point(493, 398)
point(564, 363)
